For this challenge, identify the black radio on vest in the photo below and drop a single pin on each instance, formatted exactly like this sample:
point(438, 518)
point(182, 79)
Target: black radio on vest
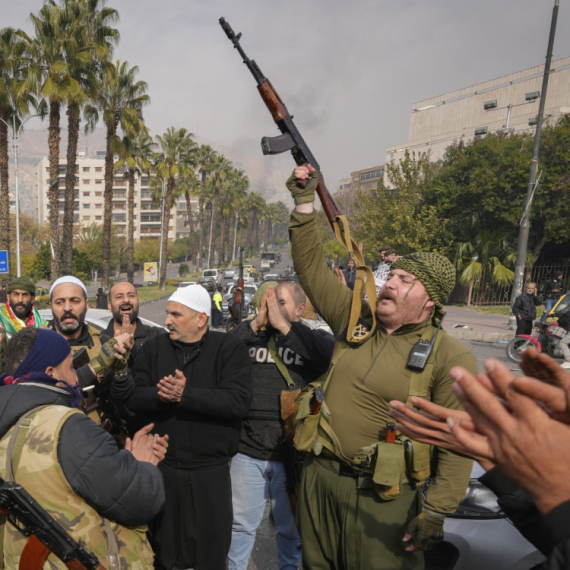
point(422, 350)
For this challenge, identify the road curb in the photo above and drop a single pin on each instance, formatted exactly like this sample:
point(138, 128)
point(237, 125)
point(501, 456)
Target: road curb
point(478, 336)
point(149, 301)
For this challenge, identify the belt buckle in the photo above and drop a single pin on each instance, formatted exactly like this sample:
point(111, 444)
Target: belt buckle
point(347, 470)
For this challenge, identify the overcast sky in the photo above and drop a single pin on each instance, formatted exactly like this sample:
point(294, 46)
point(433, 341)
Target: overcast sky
point(348, 71)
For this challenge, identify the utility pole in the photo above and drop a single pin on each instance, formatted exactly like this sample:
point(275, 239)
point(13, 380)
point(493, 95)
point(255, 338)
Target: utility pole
point(525, 221)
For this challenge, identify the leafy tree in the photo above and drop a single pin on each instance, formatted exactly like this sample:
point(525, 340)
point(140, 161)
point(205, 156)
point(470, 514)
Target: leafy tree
point(398, 213)
point(146, 250)
point(204, 158)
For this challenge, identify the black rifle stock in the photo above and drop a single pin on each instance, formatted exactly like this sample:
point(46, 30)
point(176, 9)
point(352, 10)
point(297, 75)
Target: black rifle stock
point(291, 138)
point(44, 534)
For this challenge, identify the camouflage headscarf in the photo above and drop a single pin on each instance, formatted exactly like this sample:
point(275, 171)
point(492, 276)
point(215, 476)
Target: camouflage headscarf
point(435, 272)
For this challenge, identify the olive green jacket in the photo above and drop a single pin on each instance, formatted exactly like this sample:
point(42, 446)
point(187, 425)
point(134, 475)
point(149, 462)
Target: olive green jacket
point(370, 375)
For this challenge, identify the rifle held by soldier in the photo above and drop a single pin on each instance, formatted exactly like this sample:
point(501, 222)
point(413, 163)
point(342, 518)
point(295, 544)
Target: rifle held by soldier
point(44, 534)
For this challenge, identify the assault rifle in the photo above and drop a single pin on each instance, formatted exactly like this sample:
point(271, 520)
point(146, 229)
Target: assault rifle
point(44, 534)
point(291, 138)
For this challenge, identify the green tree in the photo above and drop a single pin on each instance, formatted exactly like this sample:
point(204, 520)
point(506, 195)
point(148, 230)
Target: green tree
point(204, 157)
point(135, 155)
point(87, 50)
point(220, 169)
point(174, 159)
point(120, 101)
point(398, 213)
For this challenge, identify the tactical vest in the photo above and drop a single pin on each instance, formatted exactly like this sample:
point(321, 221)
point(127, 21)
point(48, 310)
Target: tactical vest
point(386, 462)
point(268, 383)
point(37, 470)
point(94, 350)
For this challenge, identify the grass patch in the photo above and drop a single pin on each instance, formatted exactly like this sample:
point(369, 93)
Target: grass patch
point(149, 293)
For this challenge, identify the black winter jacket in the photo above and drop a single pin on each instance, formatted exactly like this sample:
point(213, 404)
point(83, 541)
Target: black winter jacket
point(547, 289)
point(204, 426)
point(525, 306)
point(112, 481)
point(306, 353)
point(557, 522)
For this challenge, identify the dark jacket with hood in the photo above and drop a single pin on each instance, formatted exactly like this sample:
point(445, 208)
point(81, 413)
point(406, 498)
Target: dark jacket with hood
point(112, 481)
point(204, 426)
point(306, 354)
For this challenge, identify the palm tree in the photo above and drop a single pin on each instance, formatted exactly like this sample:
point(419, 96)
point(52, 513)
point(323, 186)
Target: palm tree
point(87, 50)
point(485, 260)
point(189, 184)
point(220, 168)
point(204, 158)
point(49, 74)
point(237, 194)
point(135, 154)
point(120, 100)
point(14, 104)
point(256, 206)
point(175, 159)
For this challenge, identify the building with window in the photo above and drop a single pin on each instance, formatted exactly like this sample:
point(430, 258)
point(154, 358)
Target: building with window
point(88, 207)
point(508, 104)
point(366, 179)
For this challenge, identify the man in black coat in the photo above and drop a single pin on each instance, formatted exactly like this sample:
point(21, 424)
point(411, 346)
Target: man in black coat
point(524, 309)
point(195, 385)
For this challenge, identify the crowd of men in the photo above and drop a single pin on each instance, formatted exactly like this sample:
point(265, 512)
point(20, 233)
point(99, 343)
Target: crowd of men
point(159, 447)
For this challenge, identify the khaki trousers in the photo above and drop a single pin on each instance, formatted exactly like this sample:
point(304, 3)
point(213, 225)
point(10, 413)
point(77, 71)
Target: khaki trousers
point(346, 528)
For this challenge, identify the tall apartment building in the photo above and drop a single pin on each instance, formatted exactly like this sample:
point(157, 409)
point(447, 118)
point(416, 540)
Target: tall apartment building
point(88, 207)
point(506, 104)
point(365, 179)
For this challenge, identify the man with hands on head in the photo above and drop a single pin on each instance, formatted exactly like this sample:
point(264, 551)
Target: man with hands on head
point(360, 505)
point(517, 427)
point(195, 385)
point(285, 355)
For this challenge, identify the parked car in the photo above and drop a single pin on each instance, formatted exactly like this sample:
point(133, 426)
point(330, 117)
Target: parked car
point(98, 318)
point(186, 283)
point(272, 277)
point(209, 283)
point(215, 274)
point(479, 535)
point(42, 294)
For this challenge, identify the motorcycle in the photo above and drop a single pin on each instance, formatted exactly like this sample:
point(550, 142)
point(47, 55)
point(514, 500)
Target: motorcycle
point(545, 337)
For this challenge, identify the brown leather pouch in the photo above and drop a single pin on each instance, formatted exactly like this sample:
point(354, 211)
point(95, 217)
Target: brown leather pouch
point(288, 410)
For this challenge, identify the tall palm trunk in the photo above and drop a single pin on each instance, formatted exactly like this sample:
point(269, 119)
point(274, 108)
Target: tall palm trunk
point(108, 207)
point(73, 138)
point(222, 248)
point(214, 224)
point(53, 143)
point(201, 213)
point(130, 227)
point(231, 237)
point(190, 224)
point(165, 226)
point(4, 192)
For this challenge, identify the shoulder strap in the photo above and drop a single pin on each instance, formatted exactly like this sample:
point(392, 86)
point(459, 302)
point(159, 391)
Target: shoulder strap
point(279, 362)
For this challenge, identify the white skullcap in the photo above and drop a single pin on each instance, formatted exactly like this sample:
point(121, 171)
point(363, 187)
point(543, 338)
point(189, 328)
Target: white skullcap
point(68, 279)
point(194, 297)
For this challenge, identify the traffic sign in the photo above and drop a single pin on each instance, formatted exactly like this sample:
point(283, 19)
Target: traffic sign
point(4, 268)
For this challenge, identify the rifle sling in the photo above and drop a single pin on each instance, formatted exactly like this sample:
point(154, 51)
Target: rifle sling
point(279, 362)
point(356, 333)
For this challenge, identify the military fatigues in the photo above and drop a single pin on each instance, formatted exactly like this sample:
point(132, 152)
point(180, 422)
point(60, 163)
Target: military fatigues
point(341, 525)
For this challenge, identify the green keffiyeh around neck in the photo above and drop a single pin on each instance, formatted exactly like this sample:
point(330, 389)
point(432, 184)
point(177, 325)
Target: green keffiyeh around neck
point(435, 272)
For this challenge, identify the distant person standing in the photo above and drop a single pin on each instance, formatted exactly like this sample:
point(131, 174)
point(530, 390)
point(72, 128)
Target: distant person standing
point(388, 256)
point(217, 308)
point(3, 294)
point(552, 291)
point(524, 309)
point(102, 299)
point(350, 275)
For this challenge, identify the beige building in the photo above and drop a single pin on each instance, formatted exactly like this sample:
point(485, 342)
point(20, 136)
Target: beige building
point(506, 104)
point(89, 189)
point(366, 179)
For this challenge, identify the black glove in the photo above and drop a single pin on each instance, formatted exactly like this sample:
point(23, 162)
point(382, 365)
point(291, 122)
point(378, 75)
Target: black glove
point(426, 529)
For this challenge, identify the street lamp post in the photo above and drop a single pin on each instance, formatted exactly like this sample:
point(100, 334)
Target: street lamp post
point(162, 228)
point(235, 233)
point(15, 151)
point(525, 223)
point(211, 227)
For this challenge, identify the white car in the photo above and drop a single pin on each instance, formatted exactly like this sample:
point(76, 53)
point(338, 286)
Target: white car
point(479, 536)
point(98, 318)
point(230, 273)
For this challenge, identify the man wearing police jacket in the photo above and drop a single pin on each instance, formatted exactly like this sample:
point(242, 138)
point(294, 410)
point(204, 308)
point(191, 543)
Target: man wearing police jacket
point(285, 355)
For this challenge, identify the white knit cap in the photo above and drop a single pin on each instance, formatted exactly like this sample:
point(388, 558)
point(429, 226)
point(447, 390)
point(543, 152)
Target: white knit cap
point(194, 297)
point(67, 279)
